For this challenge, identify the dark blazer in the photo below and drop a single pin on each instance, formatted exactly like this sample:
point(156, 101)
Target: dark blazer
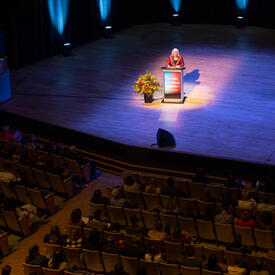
point(170, 61)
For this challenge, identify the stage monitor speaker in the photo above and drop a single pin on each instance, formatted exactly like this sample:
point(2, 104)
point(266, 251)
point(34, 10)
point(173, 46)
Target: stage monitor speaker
point(165, 139)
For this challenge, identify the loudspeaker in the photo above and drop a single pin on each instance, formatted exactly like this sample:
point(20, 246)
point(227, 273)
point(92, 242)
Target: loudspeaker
point(165, 139)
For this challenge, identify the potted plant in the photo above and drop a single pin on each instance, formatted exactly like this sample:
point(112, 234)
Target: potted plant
point(146, 85)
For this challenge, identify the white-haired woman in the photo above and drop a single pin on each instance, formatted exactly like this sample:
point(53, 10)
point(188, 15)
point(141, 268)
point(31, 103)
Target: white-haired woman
point(175, 60)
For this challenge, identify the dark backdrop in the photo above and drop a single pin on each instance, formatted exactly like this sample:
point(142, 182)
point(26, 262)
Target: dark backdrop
point(31, 36)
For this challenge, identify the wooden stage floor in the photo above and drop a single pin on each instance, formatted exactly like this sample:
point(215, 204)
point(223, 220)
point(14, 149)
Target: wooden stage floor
point(229, 81)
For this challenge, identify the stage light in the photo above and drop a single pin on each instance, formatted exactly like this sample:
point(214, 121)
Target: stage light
point(104, 9)
point(241, 4)
point(176, 5)
point(108, 33)
point(58, 10)
point(67, 49)
point(240, 21)
point(175, 19)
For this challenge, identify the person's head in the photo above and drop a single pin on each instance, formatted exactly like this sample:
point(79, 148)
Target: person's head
point(97, 194)
point(266, 217)
point(6, 270)
point(134, 220)
point(129, 180)
point(116, 194)
point(33, 252)
point(189, 250)
point(212, 261)
point(76, 215)
point(170, 182)
point(245, 216)
point(97, 214)
point(175, 52)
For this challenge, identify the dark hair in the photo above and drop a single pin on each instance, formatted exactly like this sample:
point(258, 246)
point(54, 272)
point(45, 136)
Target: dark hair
point(33, 252)
point(170, 182)
point(97, 214)
point(97, 194)
point(76, 215)
point(6, 270)
point(129, 180)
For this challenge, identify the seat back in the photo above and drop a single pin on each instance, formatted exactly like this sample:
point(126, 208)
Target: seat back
point(41, 178)
point(219, 253)
point(208, 272)
point(146, 178)
point(48, 271)
point(150, 219)
point(185, 270)
point(161, 181)
point(12, 221)
point(130, 265)
point(56, 183)
point(233, 257)
point(28, 269)
point(73, 256)
point(182, 185)
point(94, 206)
point(116, 214)
point(224, 233)
point(7, 191)
point(4, 245)
point(152, 201)
point(206, 230)
point(135, 198)
point(151, 268)
point(133, 212)
point(109, 261)
point(246, 234)
point(252, 259)
point(37, 198)
point(215, 191)
point(73, 166)
point(206, 208)
point(169, 269)
point(22, 194)
point(51, 249)
point(174, 251)
point(168, 220)
point(188, 225)
point(196, 189)
point(116, 236)
point(58, 161)
point(73, 232)
point(188, 205)
point(148, 243)
point(264, 239)
point(27, 172)
point(93, 260)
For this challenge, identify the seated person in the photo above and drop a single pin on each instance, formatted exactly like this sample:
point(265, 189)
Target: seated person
point(76, 218)
point(265, 205)
point(224, 217)
point(157, 234)
point(98, 198)
point(6, 134)
point(246, 202)
point(35, 258)
point(233, 183)
point(246, 220)
point(236, 269)
point(134, 228)
point(170, 190)
point(94, 241)
point(58, 261)
point(130, 185)
point(96, 223)
point(190, 260)
point(154, 255)
point(179, 236)
point(55, 236)
point(212, 264)
point(74, 239)
point(116, 199)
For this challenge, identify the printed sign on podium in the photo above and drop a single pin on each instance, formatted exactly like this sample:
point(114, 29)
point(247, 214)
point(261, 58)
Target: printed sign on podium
point(173, 84)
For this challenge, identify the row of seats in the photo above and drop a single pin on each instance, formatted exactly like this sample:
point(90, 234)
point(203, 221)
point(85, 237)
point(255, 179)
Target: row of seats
point(4, 247)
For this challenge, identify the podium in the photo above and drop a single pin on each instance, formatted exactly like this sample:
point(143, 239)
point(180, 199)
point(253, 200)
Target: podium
point(173, 84)
point(5, 86)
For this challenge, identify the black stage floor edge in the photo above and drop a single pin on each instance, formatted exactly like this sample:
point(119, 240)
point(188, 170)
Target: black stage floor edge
point(116, 157)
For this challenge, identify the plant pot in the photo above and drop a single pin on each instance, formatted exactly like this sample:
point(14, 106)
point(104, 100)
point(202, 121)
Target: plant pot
point(148, 98)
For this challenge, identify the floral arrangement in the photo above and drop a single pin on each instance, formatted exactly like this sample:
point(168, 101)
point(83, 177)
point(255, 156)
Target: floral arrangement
point(146, 84)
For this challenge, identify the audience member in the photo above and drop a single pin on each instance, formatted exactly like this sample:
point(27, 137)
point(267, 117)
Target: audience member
point(154, 255)
point(265, 205)
point(76, 218)
point(190, 260)
point(35, 258)
point(133, 227)
point(94, 241)
point(212, 264)
point(157, 234)
point(130, 184)
point(179, 236)
point(96, 222)
point(55, 236)
point(251, 186)
point(6, 270)
point(236, 269)
point(116, 199)
point(98, 198)
point(170, 206)
point(224, 217)
point(245, 220)
point(246, 202)
point(6, 134)
point(58, 261)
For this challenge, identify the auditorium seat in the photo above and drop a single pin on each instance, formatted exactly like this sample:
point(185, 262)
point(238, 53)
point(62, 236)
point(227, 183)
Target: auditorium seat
point(116, 236)
point(130, 265)
point(150, 219)
point(151, 268)
point(206, 230)
point(169, 269)
point(58, 161)
point(28, 269)
point(182, 185)
point(133, 212)
point(270, 263)
point(61, 186)
point(161, 181)
point(4, 245)
point(232, 257)
point(185, 270)
point(152, 201)
point(132, 174)
point(252, 259)
point(188, 225)
point(246, 234)
point(135, 198)
point(224, 233)
point(196, 189)
point(168, 220)
point(75, 168)
point(48, 271)
point(42, 202)
point(205, 208)
point(148, 243)
point(188, 205)
point(7, 191)
point(94, 206)
point(208, 272)
point(218, 252)
point(215, 191)
point(93, 261)
point(22, 194)
point(72, 230)
point(173, 251)
point(26, 171)
point(264, 239)
point(51, 249)
point(116, 215)
point(73, 256)
point(146, 179)
point(109, 261)
point(41, 178)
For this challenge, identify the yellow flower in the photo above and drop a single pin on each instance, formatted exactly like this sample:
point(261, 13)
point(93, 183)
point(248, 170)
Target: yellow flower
point(154, 88)
point(146, 85)
point(138, 89)
point(152, 77)
point(144, 77)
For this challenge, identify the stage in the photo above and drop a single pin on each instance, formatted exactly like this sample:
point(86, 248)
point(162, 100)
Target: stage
point(229, 79)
